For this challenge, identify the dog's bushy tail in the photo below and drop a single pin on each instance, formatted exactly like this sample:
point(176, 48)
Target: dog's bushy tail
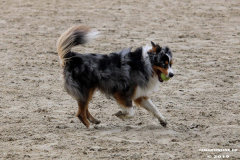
point(72, 37)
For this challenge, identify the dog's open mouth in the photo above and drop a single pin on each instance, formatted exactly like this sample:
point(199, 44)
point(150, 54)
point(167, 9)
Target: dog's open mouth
point(159, 75)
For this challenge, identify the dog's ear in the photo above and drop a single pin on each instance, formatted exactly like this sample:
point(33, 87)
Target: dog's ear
point(166, 49)
point(153, 45)
point(158, 49)
point(155, 48)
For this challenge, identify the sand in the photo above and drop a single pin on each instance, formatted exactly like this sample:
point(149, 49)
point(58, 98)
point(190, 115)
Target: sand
point(201, 102)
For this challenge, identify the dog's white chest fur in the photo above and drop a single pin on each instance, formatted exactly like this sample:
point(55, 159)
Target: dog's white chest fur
point(153, 86)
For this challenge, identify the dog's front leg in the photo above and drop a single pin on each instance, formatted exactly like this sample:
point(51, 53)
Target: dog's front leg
point(125, 102)
point(126, 113)
point(150, 107)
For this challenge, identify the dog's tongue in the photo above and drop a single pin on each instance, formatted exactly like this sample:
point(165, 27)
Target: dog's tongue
point(159, 76)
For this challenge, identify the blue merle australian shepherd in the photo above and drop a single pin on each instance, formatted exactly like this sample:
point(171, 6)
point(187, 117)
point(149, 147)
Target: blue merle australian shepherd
point(126, 76)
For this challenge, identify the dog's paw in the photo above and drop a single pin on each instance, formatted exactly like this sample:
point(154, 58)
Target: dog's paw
point(95, 121)
point(163, 122)
point(120, 115)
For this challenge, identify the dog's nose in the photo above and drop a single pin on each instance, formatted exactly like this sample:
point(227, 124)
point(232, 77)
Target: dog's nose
point(171, 75)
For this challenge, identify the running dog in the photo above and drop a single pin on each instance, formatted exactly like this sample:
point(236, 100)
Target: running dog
point(128, 76)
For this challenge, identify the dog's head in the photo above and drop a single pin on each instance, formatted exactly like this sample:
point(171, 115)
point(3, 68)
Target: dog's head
point(161, 60)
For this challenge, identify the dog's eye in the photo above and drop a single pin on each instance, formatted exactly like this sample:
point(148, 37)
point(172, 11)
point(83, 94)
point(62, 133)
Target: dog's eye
point(163, 65)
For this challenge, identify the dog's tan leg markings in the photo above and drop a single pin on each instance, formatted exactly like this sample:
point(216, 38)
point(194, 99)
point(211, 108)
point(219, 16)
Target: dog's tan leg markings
point(89, 116)
point(92, 119)
point(126, 104)
point(83, 113)
point(146, 103)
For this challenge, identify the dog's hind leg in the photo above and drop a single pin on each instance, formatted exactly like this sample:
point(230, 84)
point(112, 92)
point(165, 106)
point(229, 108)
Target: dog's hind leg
point(89, 116)
point(126, 104)
point(92, 119)
point(146, 103)
point(83, 113)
